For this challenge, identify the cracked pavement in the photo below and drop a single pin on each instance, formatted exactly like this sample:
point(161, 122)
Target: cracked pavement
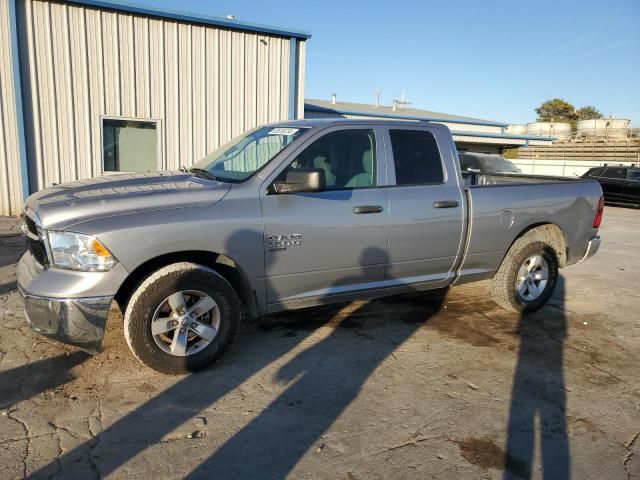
point(418, 386)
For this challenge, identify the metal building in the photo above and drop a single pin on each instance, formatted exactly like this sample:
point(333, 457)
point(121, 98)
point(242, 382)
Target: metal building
point(89, 86)
point(471, 134)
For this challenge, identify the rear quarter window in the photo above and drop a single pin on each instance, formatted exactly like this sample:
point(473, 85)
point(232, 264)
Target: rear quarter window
point(416, 157)
point(633, 175)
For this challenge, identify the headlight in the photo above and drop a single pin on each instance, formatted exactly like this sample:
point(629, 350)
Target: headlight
point(76, 251)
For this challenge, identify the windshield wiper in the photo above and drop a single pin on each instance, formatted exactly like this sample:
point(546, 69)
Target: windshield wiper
point(201, 172)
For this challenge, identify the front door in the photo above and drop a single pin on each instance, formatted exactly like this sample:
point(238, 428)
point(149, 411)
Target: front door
point(332, 242)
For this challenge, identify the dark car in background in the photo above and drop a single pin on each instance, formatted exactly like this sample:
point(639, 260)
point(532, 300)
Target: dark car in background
point(486, 163)
point(620, 184)
point(485, 168)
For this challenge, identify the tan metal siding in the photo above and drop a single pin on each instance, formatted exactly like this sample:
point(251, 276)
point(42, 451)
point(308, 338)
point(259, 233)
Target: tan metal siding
point(10, 182)
point(202, 84)
point(199, 101)
point(212, 88)
point(95, 85)
point(82, 99)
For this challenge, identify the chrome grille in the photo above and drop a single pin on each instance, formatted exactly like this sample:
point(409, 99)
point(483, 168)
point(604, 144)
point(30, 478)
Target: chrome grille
point(34, 241)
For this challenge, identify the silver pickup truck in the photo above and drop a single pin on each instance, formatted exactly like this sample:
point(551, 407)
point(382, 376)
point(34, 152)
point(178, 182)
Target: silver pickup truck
point(288, 216)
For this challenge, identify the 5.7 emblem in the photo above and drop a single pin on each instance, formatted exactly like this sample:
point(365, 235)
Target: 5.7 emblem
point(281, 242)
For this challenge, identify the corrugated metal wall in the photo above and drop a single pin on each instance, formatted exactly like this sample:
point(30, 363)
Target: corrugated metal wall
point(10, 183)
point(203, 84)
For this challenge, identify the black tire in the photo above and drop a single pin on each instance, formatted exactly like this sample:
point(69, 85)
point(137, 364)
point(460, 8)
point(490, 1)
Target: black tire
point(154, 290)
point(504, 283)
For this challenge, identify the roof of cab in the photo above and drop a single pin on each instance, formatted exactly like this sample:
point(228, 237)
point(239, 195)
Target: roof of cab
point(324, 122)
point(331, 121)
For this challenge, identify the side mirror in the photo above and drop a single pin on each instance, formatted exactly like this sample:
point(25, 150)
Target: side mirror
point(302, 180)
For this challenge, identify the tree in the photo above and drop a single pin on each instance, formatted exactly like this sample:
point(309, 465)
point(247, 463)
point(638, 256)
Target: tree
point(588, 113)
point(556, 110)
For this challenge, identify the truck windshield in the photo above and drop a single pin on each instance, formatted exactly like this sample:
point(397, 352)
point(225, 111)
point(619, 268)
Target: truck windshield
point(243, 156)
point(498, 164)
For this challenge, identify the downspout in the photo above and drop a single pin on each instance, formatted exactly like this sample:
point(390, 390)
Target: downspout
point(17, 89)
point(293, 78)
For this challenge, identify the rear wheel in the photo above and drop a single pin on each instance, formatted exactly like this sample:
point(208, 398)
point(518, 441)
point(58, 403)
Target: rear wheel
point(181, 318)
point(527, 277)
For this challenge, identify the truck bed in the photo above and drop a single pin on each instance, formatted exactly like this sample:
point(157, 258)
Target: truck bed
point(472, 179)
point(498, 210)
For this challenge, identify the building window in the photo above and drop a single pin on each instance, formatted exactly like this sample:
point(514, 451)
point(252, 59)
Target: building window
point(129, 145)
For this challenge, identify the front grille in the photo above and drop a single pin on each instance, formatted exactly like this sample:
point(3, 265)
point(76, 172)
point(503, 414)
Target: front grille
point(31, 225)
point(36, 246)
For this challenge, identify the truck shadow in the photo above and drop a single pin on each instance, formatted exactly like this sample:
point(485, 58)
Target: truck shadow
point(8, 287)
point(27, 381)
point(12, 246)
point(538, 395)
point(322, 380)
point(173, 407)
point(346, 344)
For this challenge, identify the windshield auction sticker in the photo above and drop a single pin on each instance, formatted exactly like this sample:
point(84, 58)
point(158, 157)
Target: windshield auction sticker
point(283, 131)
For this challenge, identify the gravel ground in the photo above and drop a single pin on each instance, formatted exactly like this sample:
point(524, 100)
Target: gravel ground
point(416, 386)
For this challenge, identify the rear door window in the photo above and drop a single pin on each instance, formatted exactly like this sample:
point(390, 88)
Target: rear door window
point(416, 157)
point(613, 172)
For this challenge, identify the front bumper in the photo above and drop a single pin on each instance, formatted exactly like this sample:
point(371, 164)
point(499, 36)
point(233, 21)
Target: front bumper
point(68, 306)
point(76, 321)
point(592, 248)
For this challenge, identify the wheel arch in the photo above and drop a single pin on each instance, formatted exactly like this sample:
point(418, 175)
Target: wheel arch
point(549, 233)
point(219, 262)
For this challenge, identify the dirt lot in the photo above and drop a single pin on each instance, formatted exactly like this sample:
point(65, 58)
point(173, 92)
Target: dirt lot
point(417, 386)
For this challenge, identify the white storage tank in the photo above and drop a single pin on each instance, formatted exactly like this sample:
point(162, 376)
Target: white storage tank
point(517, 129)
point(604, 127)
point(559, 130)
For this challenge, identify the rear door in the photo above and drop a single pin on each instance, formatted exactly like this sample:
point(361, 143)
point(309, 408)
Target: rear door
point(427, 205)
point(332, 242)
point(612, 181)
point(631, 190)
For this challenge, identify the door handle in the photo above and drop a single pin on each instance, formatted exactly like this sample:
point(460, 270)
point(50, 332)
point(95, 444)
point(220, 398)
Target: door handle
point(367, 209)
point(445, 204)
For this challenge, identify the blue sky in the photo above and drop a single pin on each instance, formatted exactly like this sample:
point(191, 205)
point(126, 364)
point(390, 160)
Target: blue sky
point(489, 59)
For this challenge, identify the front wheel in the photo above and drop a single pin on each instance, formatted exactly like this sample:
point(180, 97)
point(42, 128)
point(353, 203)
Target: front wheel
point(527, 277)
point(181, 318)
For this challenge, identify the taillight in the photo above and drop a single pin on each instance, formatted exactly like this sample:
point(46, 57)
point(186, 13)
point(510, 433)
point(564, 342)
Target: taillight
point(599, 211)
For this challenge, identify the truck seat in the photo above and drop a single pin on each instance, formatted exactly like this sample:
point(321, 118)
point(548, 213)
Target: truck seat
point(321, 161)
point(364, 179)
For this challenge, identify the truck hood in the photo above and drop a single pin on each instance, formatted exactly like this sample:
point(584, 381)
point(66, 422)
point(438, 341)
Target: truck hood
point(65, 205)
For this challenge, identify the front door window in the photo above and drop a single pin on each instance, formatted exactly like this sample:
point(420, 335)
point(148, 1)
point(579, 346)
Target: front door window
point(347, 157)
